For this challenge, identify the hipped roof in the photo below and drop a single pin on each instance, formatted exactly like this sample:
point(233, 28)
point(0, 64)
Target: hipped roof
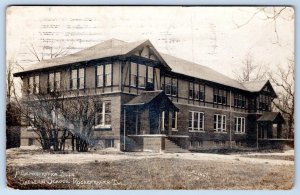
point(114, 47)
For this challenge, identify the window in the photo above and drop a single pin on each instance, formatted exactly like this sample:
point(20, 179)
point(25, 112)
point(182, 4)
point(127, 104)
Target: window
point(109, 143)
point(150, 74)
point(54, 81)
point(264, 102)
point(103, 114)
point(239, 123)
point(239, 101)
point(77, 78)
point(174, 120)
point(99, 76)
point(191, 90)
point(34, 84)
point(220, 96)
point(201, 93)
point(142, 76)
point(57, 81)
point(104, 78)
point(220, 123)
point(174, 87)
point(196, 121)
point(133, 74)
point(74, 79)
point(31, 85)
point(170, 86)
point(81, 78)
point(108, 74)
point(196, 91)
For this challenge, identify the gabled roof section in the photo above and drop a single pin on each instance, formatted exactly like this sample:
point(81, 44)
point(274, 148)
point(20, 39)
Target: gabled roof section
point(202, 72)
point(144, 98)
point(274, 117)
point(257, 86)
point(254, 86)
point(148, 98)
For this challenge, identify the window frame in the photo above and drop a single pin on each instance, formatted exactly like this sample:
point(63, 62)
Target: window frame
point(220, 123)
point(150, 72)
point(141, 77)
point(77, 78)
point(220, 96)
point(200, 118)
point(33, 85)
point(108, 74)
point(103, 114)
point(133, 77)
point(100, 75)
point(55, 81)
point(175, 120)
point(240, 125)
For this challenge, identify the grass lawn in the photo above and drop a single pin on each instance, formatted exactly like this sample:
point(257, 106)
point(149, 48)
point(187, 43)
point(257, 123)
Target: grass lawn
point(157, 172)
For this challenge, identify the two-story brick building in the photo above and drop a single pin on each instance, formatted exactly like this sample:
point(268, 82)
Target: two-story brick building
point(154, 101)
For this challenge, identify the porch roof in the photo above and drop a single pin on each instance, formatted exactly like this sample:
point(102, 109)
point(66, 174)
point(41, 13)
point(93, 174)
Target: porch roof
point(149, 97)
point(144, 98)
point(274, 117)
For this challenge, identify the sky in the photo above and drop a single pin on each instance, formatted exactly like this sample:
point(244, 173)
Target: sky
point(209, 36)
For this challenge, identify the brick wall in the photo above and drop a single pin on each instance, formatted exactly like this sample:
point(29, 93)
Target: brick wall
point(209, 137)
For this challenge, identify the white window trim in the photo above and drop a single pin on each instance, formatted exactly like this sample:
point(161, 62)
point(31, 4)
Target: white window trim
point(242, 125)
point(102, 124)
point(81, 78)
point(100, 75)
point(192, 129)
point(221, 130)
point(135, 74)
point(176, 119)
point(107, 74)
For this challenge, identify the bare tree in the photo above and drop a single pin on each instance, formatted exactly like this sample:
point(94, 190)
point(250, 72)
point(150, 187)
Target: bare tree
point(47, 51)
point(11, 67)
point(284, 81)
point(79, 114)
point(56, 117)
point(270, 15)
point(249, 70)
